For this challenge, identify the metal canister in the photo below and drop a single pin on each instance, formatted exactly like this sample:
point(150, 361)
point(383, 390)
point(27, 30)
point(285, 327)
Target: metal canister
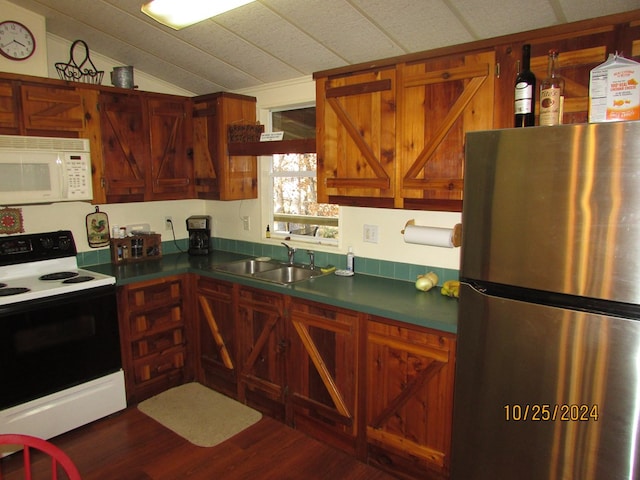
point(122, 77)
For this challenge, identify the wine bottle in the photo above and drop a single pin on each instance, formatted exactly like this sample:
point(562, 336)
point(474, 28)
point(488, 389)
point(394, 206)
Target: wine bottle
point(552, 93)
point(525, 92)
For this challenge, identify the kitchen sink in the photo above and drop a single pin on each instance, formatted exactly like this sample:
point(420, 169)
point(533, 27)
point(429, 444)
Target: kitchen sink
point(270, 271)
point(248, 267)
point(288, 274)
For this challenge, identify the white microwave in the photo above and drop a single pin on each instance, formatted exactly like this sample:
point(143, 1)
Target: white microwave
point(44, 170)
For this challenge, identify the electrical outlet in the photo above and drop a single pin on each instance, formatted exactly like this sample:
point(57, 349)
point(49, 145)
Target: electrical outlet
point(370, 233)
point(245, 222)
point(168, 223)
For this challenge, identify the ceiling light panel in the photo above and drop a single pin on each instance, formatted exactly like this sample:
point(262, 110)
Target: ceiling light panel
point(179, 14)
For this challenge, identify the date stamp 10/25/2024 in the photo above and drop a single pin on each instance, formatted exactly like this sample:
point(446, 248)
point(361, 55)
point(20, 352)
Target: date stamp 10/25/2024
point(563, 412)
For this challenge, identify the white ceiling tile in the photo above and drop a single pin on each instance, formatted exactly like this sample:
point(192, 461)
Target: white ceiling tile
point(338, 26)
point(416, 25)
point(582, 9)
point(492, 18)
point(267, 30)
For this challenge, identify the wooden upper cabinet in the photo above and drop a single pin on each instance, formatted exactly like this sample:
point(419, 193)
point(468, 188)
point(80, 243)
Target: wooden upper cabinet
point(146, 147)
point(391, 132)
point(394, 137)
point(579, 53)
point(631, 42)
point(52, 109)
point(9, 109)
point(124, 147)
point(580, 50)
point(171, 149)
point(356, 138)
point(439, 100)
point(218, 175)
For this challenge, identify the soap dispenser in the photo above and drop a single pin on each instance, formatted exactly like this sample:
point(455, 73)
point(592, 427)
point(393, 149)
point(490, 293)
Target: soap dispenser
point(350, 260)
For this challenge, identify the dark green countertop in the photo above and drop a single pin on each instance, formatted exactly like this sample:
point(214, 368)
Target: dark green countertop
point(394, 299)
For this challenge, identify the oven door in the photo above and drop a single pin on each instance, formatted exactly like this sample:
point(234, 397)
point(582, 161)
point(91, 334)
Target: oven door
point(51, 344)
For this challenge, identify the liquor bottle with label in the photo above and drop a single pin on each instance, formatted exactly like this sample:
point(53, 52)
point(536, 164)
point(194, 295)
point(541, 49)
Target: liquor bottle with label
point(525, 92)
point(552, 93)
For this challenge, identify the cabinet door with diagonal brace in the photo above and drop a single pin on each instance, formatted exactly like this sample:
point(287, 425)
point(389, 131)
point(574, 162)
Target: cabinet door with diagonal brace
point(171, 152)
point(217, 365)
point(263, 350)
point(323, 381)
point(125, 147)
point(356, 123)
point(440, 99)
point(47, 109)
point(409, 398)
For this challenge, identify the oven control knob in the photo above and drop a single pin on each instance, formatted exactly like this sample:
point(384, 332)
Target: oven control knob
point(64, 243)
point(47, 242)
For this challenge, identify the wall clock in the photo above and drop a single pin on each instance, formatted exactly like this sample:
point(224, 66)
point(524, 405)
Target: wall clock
point(16, 41)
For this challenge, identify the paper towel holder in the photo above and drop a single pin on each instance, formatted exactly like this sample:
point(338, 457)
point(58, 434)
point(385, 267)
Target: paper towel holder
point(456, 237)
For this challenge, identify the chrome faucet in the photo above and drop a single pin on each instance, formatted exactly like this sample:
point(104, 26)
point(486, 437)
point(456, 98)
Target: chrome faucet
point(312, 259)
point(290, 252)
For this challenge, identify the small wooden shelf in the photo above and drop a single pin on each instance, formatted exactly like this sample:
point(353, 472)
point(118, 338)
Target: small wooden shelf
point(136, 248)
point(307, 145)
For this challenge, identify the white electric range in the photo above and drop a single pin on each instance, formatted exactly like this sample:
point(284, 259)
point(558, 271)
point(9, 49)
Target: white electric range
point(61, 364)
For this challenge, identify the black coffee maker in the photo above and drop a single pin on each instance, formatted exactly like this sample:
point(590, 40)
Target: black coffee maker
point(199, 228)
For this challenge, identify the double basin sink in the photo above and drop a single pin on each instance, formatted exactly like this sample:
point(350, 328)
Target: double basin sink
point(270, 271)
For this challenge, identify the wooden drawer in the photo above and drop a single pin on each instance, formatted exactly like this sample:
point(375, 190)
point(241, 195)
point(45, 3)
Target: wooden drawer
point(167, 364)
point(148, 295)
point(158, 320)
point(157, 343)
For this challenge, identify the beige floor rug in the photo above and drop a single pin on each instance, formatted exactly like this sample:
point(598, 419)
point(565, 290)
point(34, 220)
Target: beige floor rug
point(199, 414)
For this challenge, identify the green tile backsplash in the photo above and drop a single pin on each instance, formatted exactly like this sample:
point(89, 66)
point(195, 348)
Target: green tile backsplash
point(370, 266)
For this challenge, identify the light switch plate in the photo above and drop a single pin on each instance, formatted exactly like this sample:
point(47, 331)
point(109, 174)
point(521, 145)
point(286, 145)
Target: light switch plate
point(370, 233)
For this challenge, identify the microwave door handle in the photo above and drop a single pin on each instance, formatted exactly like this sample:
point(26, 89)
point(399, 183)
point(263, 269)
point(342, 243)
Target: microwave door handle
point(61, 176)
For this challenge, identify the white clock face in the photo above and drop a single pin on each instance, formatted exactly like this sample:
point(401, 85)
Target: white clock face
point(16, 41)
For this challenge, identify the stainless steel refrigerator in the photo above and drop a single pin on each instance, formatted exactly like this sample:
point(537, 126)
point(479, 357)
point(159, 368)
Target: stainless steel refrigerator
point(548, 364)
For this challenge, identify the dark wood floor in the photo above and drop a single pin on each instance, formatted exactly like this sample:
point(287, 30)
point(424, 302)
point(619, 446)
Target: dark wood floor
point(132, 446)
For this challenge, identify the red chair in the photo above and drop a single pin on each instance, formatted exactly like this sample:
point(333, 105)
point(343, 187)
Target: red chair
point(58, 457)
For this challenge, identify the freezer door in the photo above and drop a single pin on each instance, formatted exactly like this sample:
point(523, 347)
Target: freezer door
point(555, 209)
point(544, 393)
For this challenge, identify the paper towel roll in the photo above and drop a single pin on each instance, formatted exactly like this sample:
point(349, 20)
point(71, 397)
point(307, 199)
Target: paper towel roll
point(434, 236)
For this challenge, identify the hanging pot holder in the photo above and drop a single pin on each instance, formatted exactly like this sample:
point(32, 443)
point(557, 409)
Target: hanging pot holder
point(98, 229)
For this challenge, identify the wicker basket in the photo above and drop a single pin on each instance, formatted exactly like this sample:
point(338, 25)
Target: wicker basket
point(244, 133)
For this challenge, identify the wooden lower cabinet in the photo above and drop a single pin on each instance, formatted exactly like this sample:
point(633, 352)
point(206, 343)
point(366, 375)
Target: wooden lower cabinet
point(375, 388)
point(263, 347)
point(155, 336)
point(409, 401)
point(217, 364)
point(323, 379)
